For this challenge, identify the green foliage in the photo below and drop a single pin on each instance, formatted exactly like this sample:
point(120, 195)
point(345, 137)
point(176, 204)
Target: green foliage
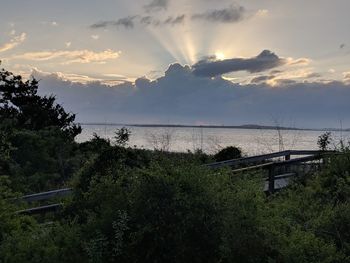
point(113, 160)
point(129, 207)
point(311, 220)
point(228, 153)
point(37, 148)
point(7, 220)
point(170, 212)
point(96, 145)
point(41, 160)
point(132, 205)
point(35, 243)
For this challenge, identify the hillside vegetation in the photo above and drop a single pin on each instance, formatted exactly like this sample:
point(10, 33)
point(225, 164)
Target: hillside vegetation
point(133, 205)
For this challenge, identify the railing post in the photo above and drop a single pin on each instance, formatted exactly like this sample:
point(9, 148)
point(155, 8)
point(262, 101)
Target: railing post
point(287, 167)
point(271, 179)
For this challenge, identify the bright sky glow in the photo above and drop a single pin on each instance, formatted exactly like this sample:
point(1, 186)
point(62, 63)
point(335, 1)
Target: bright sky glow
point(56, 36)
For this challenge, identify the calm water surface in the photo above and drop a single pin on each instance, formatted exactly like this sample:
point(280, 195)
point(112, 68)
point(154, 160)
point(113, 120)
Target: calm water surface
point(210, 140)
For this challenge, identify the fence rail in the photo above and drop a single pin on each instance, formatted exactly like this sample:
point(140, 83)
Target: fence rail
point(274, 181)
point(47, 195)
point(265, 161)
point(260, 158)
point(40, 209)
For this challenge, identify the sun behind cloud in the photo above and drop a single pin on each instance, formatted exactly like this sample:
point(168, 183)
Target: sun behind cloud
point(220, 55)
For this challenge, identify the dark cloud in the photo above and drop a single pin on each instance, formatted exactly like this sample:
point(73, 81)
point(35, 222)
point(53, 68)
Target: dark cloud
point(264, 61)
point(130, 22)
point(157, 5)
point(342, 46)
point(174, 20)
point(126, 22)
point(231, 14)
point(181, 97)
point(171, 20)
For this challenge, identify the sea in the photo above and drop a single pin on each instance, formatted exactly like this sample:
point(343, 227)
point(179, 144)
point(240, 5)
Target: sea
point(211, 140)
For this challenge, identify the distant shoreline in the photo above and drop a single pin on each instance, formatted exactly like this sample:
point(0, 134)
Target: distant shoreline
point(247, 127)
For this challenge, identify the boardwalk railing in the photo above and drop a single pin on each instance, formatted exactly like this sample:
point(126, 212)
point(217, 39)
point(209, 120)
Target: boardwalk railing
point(270, 162)
point(47, 195)
point(44, 196)
point(260, 158)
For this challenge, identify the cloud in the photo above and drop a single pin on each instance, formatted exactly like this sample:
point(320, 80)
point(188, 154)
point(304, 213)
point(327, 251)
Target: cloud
point(68, 57)
point(342, 46)
point(299, 61)
point(106, 79)
point(232, 14)
point(95, 37)
point(157, 5)
point(264, 61)
point(282, 78)
point(174, 20)
point(181, 97)
point(131, 21)
point(346, 77)
point(126, 22)
point(14, 42)
point(171, 20)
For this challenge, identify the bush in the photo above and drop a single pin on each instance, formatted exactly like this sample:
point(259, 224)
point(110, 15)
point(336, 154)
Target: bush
point(228, 153)
point(170, 212)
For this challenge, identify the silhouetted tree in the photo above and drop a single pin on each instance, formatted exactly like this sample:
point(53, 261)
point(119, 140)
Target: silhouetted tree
point(20, 103)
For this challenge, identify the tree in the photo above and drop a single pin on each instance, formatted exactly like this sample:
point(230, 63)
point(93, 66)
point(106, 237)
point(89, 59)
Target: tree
point(20, 102)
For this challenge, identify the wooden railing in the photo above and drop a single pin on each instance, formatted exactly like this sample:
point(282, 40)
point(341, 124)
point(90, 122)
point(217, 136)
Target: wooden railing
point(42, 197)
point(260, 158)
point(265, 161)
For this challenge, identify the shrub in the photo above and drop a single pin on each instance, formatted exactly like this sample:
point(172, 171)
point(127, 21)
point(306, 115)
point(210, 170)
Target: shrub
point(228, 153)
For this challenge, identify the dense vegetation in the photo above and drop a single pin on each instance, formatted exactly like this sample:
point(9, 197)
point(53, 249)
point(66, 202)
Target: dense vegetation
point(132, 205)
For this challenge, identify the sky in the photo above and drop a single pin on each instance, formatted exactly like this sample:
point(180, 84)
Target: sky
point(218, 62)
